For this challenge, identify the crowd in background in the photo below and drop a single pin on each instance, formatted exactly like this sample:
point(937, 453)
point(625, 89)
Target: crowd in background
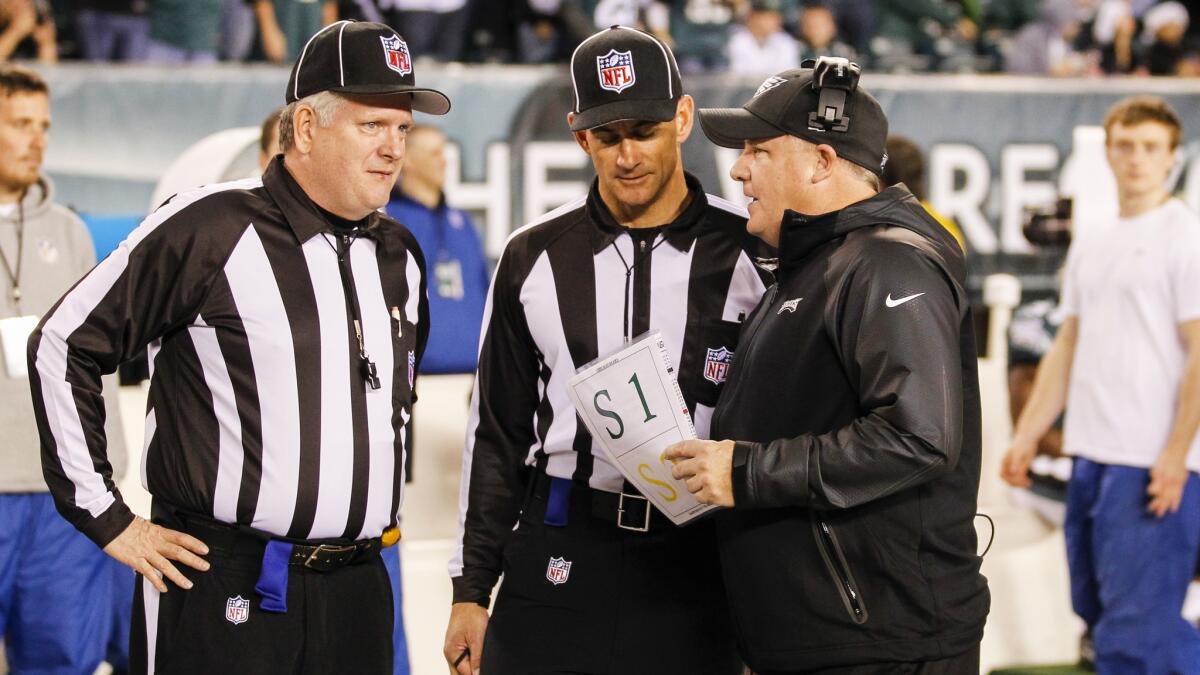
point(1033, 37)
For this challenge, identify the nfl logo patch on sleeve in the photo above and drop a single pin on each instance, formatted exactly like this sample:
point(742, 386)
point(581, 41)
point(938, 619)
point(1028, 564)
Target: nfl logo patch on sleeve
point(237, 610)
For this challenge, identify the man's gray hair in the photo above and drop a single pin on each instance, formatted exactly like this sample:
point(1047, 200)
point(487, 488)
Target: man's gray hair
point(863, 174)
point(324, 103)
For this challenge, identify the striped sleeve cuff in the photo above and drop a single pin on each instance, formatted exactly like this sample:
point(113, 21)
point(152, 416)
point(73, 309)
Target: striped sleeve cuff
point(105, 527)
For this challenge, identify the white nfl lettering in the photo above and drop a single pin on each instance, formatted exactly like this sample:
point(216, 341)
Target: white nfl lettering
point(716, 364)
point(395, 54)
point(558, 571)
point(615, 70)
point(237, 610)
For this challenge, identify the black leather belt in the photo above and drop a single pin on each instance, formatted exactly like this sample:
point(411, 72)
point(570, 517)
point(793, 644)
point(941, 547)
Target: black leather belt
point(625, 510)
point(318, 555)
point(326, 557)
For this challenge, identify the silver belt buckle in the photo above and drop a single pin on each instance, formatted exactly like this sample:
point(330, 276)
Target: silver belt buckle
point(621, 514)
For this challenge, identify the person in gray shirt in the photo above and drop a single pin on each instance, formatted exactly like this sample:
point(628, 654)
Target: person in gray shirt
point(56, 588)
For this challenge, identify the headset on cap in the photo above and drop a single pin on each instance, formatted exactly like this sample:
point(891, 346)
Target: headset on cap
point(834, 78)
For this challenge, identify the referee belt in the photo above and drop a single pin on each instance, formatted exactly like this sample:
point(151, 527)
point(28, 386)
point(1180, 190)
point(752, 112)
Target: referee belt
point(317, 555)
point(627, 510)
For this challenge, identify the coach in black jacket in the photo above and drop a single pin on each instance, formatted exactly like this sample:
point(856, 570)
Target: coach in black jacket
point(853, 400)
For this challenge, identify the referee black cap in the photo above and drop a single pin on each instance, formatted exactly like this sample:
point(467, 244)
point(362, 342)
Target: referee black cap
point(364, 59)
point(622, 73)
point(820, 102)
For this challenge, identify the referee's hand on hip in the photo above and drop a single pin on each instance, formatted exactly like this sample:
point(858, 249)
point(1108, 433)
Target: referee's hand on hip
point(464, 638)
point(149, 550)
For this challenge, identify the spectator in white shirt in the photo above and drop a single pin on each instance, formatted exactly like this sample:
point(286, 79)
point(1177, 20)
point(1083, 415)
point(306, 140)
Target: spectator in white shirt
point(760, 46)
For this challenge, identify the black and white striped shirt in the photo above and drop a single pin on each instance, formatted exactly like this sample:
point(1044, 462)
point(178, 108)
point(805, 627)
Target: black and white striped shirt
point(560, 299)
point(259, 411)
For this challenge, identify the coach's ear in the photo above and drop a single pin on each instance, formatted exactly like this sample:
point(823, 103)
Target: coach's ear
point(684, 117)
point(580, 136)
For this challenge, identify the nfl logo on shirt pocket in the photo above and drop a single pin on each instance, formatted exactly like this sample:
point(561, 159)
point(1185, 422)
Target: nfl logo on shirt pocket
point(558, 571)
point(237, 610)
point(716, 365)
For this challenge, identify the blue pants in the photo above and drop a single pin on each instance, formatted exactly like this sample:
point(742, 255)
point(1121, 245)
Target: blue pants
point(110, 36)
point(56, 603)
point(1130, 570)
point(391, 560)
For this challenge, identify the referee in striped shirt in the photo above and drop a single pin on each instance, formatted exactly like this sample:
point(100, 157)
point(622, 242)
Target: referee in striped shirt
point(286, 317)
point(595, 579)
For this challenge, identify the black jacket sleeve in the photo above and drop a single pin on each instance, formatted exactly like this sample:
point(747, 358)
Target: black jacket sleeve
point(895, 319)
point(499, 435)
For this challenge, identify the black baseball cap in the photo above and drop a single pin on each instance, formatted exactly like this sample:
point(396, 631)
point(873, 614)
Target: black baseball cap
point(786, 104)
point(360, 58)
point(622, 73)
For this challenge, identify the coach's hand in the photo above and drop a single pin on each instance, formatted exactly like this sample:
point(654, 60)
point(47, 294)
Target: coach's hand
point(149, 550)
point(464, 635)
point(706, 468)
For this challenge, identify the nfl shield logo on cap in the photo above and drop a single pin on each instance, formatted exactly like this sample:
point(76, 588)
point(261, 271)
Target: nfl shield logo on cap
point(616, 70)
point(395, 52)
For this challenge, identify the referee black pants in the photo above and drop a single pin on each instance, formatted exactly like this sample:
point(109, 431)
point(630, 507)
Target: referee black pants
point(629, 603)
point(336, 622)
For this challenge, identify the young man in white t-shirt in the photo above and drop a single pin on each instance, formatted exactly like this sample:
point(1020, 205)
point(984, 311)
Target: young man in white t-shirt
point(1127, 360)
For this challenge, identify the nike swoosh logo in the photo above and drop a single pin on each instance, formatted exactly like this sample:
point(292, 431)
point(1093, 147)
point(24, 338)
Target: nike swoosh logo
point(900, 301)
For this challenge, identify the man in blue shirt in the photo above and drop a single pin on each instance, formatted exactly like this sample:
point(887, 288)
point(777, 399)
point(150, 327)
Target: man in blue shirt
point(459, 270)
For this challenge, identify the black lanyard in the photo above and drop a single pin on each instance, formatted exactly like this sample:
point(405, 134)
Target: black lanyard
point(14, 274)
point(639, 242)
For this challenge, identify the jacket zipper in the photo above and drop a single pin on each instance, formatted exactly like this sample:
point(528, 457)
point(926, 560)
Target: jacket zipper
point(835, 561)
point(367, 368)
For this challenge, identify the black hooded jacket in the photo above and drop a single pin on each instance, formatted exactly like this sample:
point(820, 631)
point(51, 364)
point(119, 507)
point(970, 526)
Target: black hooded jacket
point(854, 401)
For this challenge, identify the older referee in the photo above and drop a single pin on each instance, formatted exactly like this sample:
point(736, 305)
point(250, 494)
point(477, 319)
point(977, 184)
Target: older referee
point(853, 404)
point(287, 317)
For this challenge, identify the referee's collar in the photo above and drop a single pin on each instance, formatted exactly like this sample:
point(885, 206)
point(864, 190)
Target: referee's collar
point(680, 232)
point(302, 214)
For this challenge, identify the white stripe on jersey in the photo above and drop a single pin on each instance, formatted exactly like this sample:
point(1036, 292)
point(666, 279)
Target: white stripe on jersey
point(377, 334)
point(269, 338)
point(229, 423)
point(337, 421)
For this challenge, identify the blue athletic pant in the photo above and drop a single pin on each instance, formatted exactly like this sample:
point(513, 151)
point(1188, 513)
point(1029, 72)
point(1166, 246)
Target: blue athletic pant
point(56, 603)
point(1130, 570)
point(391, 560)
